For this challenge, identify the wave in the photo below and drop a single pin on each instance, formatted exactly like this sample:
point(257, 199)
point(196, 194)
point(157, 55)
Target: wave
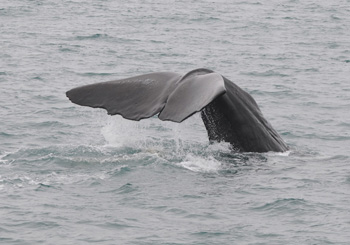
point(93, 36)
point(269, 73)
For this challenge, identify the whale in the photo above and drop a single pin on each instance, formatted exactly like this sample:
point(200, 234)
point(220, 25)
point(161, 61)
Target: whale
point(228, 112)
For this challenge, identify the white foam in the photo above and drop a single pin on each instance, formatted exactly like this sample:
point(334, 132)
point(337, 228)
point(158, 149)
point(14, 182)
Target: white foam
point(284, 154)
point(224, 147)
point(200, 164)
point(2, 160)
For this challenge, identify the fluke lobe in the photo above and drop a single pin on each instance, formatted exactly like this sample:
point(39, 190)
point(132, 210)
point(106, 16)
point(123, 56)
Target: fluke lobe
point(229, 113)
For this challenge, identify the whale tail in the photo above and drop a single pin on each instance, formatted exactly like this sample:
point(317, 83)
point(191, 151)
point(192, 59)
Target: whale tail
point(229, 113)
point(173, 96)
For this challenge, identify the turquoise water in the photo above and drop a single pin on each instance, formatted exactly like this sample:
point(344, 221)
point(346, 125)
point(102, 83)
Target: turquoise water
point(74, 175)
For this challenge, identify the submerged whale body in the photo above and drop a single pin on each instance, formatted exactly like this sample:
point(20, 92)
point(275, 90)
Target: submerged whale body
point(229, 113)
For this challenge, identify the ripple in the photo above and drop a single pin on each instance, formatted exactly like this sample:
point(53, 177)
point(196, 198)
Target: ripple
point(269, 73)
point(286, 205)
point(93, 36)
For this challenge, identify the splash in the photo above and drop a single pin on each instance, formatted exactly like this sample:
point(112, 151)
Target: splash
point(183, 145)
point(152, 133)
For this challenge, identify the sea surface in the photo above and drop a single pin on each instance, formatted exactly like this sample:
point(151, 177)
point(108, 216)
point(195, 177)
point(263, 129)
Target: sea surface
point(74, 175)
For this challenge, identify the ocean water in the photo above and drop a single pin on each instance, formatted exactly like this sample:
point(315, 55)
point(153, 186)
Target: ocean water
point(74, 175)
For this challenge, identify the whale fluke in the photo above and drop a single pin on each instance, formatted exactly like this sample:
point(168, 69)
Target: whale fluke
point(144, 96)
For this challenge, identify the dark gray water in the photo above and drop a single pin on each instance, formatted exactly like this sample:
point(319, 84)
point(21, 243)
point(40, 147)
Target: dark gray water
point(73, 175)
